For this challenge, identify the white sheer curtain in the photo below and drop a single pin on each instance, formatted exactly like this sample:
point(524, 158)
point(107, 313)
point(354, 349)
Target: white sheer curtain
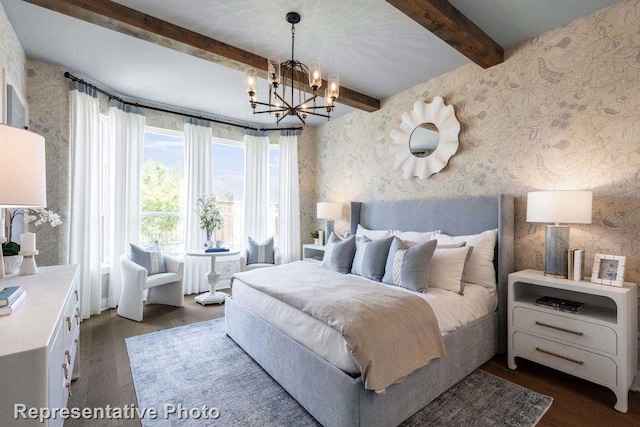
point(289, 204)
point(126, 134)
point(197, 174)
point(86, 165)
point(256, 185)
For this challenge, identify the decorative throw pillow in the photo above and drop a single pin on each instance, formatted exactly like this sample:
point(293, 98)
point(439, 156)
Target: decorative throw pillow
point(339, 253)
point(448, 268)
point(371, 257)
point(372, 234)
point(480, 269)
point(149, 257)
point(416, 236)
point(260, 253)
point(408, 264)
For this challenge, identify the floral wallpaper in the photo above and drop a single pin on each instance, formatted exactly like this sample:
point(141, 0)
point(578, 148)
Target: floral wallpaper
point(562, 112)
point(12, 57)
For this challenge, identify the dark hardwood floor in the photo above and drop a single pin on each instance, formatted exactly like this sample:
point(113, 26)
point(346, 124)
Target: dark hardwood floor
point(105, 375)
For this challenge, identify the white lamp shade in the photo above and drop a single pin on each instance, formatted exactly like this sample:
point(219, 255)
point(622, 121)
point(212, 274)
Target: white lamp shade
point(329, 210)
point(23, 182)
point(566, 207)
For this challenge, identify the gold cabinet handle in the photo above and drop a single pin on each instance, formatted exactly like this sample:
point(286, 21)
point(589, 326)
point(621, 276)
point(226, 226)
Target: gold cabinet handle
point(558, 328)
point(68, 386)
point(559, 356)
point(67, 353)
point(69, 323)
point(77, 315)
point(66, 371)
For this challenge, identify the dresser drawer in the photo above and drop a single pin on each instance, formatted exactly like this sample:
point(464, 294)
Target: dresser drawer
point(575, 331)
point(571, 360)
point(71, 318)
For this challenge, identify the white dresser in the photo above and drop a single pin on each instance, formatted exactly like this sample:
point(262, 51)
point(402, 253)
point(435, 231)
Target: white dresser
point(599, 344)
point(39, 344)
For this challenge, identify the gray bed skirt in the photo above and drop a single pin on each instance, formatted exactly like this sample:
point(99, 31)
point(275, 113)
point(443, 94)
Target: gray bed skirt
point(335, 398)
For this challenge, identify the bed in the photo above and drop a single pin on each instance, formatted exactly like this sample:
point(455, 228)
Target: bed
point(332, 392)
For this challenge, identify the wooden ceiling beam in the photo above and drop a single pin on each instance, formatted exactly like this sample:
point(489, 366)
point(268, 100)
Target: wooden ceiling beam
point(449, 24)
point(125, 20)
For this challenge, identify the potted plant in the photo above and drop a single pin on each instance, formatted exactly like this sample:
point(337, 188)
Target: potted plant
point(11, 249)
point(209, 216)
point(316, 236)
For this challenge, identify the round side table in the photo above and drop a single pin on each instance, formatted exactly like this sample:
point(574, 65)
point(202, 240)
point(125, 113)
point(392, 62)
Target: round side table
point(212, 297)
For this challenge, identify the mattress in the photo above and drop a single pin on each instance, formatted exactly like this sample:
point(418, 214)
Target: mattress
point(452, 311)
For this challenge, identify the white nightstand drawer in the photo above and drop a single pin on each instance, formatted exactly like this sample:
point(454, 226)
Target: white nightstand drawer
point(564, 328)
point(571, 360)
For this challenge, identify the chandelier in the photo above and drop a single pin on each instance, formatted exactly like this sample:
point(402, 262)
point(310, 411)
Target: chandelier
point(289, 77)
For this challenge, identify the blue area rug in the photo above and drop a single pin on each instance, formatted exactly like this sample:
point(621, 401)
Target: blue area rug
point(195, 365)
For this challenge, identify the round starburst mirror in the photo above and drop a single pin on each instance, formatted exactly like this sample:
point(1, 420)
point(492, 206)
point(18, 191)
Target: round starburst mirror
point(426, 139)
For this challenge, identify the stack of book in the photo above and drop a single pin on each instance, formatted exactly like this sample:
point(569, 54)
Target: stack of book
point(10, 299)
point(560, 304)
point(575, 261)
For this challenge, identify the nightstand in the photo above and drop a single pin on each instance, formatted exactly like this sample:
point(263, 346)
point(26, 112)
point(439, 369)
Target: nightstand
point(599, 344)
point(313, 252)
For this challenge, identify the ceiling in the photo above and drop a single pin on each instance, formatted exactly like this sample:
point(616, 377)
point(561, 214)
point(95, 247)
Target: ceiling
point(374, 48)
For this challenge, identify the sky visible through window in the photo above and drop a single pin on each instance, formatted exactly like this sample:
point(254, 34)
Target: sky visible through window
point(228, 172)
point(164, 149)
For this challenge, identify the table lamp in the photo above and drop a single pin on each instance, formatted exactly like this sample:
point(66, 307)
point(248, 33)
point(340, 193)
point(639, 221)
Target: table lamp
point(22, 175)
point(558, 207)
point(329, 212)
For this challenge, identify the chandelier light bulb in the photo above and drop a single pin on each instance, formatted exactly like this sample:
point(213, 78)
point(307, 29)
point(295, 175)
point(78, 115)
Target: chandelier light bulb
point(315, 75)
point(251, 79)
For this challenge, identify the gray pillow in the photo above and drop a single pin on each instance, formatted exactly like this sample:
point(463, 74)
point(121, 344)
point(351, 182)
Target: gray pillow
point(149, 257)
point(260, 253)
point(408, 264)
point(371, 257)
point(338, 255)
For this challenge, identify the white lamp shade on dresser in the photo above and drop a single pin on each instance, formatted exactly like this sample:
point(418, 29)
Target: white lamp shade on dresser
point(562, 207)
point(329, 211)
point(23, 180)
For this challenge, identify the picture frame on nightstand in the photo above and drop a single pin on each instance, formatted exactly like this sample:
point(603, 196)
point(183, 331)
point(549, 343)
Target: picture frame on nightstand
point(608, 270)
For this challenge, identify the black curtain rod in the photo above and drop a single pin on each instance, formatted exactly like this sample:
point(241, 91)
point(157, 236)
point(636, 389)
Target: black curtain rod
point(70, 76)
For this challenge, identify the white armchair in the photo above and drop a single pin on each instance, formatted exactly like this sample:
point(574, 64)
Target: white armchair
point(163, 288)
point(244, 255)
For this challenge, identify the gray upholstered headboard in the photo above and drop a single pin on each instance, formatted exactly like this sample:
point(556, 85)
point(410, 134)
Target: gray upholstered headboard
point(455, 217)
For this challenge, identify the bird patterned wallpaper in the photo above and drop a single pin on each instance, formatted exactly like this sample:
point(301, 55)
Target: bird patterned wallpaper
point(12, 57)
point(561, 112)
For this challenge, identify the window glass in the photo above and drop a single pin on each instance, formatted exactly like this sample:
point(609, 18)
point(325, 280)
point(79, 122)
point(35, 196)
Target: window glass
point(227, 166)
point(161, 190)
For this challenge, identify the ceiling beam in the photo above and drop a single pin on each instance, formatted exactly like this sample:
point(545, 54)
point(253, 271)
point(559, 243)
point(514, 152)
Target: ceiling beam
point(450, 25)
point(117, 17)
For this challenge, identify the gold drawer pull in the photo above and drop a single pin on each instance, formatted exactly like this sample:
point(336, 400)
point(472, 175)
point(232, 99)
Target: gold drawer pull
point(78, 315)
point(68, 354)
point(558, 328)
point(66, 371)
point(68, 386)
point(76, 294)
point(559, 356)
point(69, 323)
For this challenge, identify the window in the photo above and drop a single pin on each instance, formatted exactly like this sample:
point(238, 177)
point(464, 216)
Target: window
point(227, 166)
point(274, 190)
point(103, 141)
point(161, 182)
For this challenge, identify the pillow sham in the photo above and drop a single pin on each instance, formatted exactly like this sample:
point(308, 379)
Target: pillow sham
point(150, 257)
point(408, 264)
point(447, 270)
point(415, 236)
point(371, 257)
point(372, 234)
point(339, 253)
point(260, 253)
point(480, 270)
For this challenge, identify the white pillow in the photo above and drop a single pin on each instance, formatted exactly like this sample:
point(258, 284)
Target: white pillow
point(372, 234)
point(447, 269)
point(480, 269)
point(415, 236)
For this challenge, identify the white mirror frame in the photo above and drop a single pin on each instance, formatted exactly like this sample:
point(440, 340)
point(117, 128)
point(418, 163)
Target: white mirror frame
point(441, 115)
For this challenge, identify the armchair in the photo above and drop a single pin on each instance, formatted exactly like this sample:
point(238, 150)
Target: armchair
point(244, 255)
point(164, 288)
